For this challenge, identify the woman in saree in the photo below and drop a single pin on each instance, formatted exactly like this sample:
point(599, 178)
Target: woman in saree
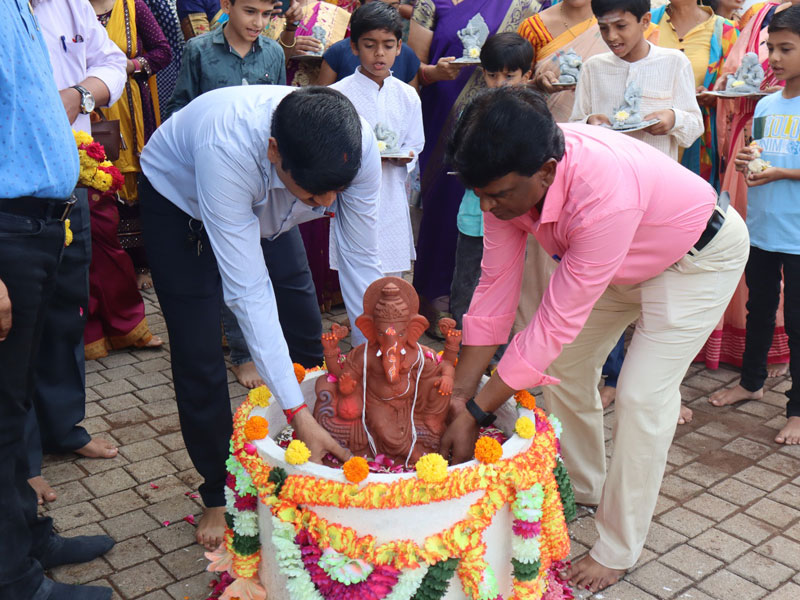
point(734, 121)
point(706, 39)
point(445, 90)
point(133, 28)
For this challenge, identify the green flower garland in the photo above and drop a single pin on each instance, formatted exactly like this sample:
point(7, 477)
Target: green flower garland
point(525, 571)
point(565, 491)
point(436, 581)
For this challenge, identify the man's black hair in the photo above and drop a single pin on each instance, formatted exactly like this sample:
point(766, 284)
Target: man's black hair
point(786, 20)
point(638, 8)
point(318, 132)
point(375, 15)
point(509, 51)
point(501, 131)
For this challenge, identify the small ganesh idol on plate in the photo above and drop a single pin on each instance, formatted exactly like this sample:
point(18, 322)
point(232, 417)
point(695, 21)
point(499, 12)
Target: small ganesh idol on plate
point(473, 37)
point(627, 117)
point(569, 66)
point(388, 142)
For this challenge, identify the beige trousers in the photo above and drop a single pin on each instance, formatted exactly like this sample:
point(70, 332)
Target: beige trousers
point(675, 313)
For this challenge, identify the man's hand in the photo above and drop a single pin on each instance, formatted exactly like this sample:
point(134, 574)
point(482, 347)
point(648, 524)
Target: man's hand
point(5, 312)
point(744, 156)
point(71, 99)
point(294, 13)
point(545, 80)
point(319, 441)
point(458, 442)
point(666, 121)
point(598, 119)
point(768, 175)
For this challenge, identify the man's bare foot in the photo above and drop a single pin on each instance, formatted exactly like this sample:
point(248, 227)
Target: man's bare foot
point(734, 395)
point(98, 448)
point(211, 527)
point(777, 370)
point(588, 574)
point(144, 281)
point(43, 490)
point(247, 375)
point(789, 435)
point(607, 395)
point(686, 415)
point(155, 342)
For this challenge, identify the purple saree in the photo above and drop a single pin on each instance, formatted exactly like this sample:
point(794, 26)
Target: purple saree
point(442, 102)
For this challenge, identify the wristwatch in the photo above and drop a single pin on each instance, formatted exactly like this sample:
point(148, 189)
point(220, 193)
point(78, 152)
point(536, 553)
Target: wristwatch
point(483, 418)
point(87, 100)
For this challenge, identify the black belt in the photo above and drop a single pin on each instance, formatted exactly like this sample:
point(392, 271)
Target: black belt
point(38, 208)
point(715, 222)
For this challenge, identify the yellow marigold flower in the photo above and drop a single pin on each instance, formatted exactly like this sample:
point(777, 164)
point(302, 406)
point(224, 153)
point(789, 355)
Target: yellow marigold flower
point(525, 399)
point(488, 450)
point(432, 468)
point(101, 181)
point(299, 372)
point(525, 428)
point(67, 233)
point(297, 453)
point(81, 137)
point(256, 428)
point(260, 396)
point(356, 469)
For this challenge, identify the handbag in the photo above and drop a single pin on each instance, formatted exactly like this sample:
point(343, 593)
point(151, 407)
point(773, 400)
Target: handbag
point(107, 133)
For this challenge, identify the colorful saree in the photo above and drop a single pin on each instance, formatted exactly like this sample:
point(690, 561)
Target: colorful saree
point(442, 102)
point(734, 121)
point(702, 157)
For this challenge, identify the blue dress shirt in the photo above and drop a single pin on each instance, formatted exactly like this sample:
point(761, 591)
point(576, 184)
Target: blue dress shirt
point(210, 160)
point(38, 156)
point(341, 59)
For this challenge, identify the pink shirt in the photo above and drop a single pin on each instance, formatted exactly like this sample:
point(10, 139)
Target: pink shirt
point(618, 212)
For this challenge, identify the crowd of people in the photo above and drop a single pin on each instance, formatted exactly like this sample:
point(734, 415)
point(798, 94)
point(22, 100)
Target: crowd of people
point(251, 206)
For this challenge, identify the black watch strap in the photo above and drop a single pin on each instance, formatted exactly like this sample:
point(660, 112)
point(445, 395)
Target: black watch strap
point(481, 417)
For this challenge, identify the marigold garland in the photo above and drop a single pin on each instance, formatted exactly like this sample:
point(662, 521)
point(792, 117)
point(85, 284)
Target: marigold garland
point(525, 399)
point(256, 428)
point(488, 450)
point(299, 372)
point(525, 428)
point(297, 453)
point(95, 171)
point(68, 236)
point(356, 469)
point(431, 468)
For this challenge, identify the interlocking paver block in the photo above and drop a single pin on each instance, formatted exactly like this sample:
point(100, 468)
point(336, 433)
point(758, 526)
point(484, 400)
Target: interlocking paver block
point(625, 591)
point(185, 562)
point(660, 539)
point(154, 394)
point(780, 462)
point(176, 536)
point(81, 573)
point(659, 580)
point(678, 488)
point(736, 491)
point(749, 529)
point(584, 531)
point(790, 591)
point(72, 493)
point(180, 458)
point(119, 403)
point(711, 506)
point(130, 524)
point(109, 482)
point(691, 562)
point(152, 365)
point(114, 388)
point(760, 478)
point(95, 425)
point(118, 373)
point(130, 552)
point(152, 468)
point(701, 474)
point(148, 380)
point(788, 494)
point(160, 408)
point(194, 587)
point(166, 424)
point(99, 465)
point(761, 570)
point(119, 503)
point(783, 550)
point(747, 448)
point(773, 512)
point(720, 545)
point(685, 521)
point(74, 515)
point(62, 473)
point(173, 509)
point(134, 433)
point(725, 585)
point(141, 579)
point(718, 430)
point(142, 450)
point(117, 359)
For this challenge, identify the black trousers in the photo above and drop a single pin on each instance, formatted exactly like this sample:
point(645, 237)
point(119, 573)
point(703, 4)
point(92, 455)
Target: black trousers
point(60, 400)
point(30, 252)
point(189, 291)
point(763, 277)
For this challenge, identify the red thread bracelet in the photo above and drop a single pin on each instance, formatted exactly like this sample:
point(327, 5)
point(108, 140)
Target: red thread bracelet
point(290, 413)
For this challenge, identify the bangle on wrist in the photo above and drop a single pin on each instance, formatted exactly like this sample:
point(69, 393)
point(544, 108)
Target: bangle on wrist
point(291, 413)
point(284, 44)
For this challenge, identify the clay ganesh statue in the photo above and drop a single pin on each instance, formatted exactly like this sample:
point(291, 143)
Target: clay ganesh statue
point(390, 395)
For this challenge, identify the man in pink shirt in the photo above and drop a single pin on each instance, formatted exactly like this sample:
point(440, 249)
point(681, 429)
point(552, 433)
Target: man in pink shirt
point(638, 238)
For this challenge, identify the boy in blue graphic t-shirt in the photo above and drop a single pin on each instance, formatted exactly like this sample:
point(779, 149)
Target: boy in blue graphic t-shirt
point(773, 218)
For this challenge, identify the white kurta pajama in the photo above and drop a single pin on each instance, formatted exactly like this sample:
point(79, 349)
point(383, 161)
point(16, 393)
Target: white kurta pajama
point(397, 106)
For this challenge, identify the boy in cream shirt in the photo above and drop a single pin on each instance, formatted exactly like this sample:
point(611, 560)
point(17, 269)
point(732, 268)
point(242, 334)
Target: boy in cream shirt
point(664, 76)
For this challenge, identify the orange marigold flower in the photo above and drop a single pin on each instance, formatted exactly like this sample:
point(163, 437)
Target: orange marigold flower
point(256, 428)
point(525, 399)
point(299, 372)
point(488, 450)
point(356, 469)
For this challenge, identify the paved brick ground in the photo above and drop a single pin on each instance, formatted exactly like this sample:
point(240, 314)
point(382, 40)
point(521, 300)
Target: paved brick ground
point(727, 525)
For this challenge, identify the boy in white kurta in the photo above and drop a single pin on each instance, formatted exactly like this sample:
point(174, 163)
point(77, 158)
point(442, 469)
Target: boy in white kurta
point(394, 111)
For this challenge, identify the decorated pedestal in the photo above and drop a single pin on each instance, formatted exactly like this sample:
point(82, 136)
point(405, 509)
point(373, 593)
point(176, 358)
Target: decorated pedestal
point(487, 529)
